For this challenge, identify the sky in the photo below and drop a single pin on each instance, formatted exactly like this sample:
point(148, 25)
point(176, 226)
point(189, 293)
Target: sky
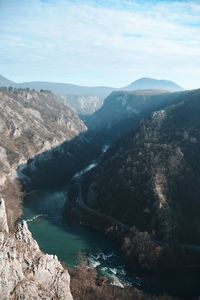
point(100, 42)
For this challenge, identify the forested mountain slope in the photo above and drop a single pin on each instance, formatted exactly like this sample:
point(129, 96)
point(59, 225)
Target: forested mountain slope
point(150, 179)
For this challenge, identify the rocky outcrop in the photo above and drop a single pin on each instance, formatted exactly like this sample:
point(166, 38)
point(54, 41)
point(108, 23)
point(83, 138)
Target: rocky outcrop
point(3, 217)
point(27, 273)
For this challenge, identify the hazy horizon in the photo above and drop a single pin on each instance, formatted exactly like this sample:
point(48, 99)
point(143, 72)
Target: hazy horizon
point(96, 43)
point(106, 85)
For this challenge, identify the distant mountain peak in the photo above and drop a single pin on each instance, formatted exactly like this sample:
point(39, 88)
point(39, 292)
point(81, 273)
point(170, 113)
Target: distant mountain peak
point(144, 83)
point(151, 83)
point(5, 81)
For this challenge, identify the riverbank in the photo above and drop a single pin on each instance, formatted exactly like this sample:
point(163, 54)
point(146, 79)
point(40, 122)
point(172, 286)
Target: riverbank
point(177, 272)
point(77, 246)
point(43, 210)
point(87, 285)
point(49, 234)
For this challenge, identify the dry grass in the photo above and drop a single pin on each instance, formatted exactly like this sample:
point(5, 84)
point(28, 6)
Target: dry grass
point(87, 285)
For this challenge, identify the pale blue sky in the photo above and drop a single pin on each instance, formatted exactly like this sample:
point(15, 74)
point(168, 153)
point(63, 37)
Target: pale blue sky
point(100, 42)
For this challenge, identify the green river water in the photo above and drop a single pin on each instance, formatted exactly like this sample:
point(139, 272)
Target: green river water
point(43, 212)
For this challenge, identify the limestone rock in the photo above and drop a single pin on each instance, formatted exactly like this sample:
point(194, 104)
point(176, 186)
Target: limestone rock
point(27, 273)
point(3, 217)
point(83, 104)
point(32, 122)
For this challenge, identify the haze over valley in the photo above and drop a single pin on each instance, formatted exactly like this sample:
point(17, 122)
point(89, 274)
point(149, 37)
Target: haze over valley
point(86, 100)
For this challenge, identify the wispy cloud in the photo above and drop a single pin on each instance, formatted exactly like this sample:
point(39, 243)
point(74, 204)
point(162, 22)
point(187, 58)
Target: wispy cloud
point(100, 42)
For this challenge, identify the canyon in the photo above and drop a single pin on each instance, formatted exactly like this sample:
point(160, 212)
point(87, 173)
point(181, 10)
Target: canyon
point(139, 144)
point(85, 100)
point(31, 122)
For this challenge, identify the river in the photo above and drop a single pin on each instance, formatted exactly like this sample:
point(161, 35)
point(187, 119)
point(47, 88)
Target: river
point(43, 211)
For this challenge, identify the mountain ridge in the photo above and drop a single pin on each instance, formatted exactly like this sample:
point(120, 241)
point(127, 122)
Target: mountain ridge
point(151, 83)
point(5, 81)
point(123, 105)
point(101, 91)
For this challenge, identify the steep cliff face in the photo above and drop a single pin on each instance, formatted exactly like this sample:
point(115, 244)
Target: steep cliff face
point(123, 109)
point(30, 122)
point(3, 217)
point(149, 180)
point(83, 105)
point(27, 273)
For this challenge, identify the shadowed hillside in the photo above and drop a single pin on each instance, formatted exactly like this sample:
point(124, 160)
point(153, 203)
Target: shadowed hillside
point(149, 180)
